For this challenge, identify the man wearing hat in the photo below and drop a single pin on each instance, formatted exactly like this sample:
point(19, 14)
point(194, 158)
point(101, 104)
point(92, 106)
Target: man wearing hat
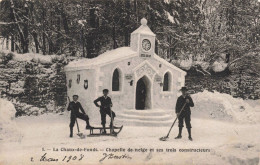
point(186, 100)
point(74, 107)
point(105, 108)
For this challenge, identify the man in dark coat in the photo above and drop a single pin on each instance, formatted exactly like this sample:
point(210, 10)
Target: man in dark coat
point(74, 107)
point(186, 100)
point(105, 108)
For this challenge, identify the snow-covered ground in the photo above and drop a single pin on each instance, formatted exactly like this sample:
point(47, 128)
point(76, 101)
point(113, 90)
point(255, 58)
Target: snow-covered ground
point(229, 127)
point(37, 57)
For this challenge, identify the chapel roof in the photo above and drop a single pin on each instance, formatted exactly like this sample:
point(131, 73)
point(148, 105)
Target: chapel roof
point(105, 58)
point(111, 56)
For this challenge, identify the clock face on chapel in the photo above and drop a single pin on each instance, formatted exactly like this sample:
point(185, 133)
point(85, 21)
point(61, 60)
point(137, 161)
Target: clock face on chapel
point(146, 44)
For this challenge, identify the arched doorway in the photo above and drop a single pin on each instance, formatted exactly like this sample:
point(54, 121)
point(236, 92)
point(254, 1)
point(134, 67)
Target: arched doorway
point(143, 94)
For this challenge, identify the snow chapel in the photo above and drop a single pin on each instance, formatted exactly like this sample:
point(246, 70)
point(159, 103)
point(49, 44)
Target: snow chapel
point(136, 77)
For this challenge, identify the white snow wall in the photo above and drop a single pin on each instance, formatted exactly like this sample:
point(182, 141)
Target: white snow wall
point(101, 78)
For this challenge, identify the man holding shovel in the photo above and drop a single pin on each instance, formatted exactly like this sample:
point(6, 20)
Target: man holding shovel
point(185, 102)
point(74, 107)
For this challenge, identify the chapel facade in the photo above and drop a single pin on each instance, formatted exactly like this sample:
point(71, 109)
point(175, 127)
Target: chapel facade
point(136, 77)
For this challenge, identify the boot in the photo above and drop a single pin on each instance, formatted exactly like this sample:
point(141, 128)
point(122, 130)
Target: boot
point(112, 131)
point(179, 135)
point(189, 131)
point(111, 125)
point(71, 132)
point(111, 121)
point(88, 126)
point(104, 129)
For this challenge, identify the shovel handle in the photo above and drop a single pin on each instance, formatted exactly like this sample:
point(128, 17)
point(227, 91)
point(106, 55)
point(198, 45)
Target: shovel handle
point(175, 120)
point(77, 123)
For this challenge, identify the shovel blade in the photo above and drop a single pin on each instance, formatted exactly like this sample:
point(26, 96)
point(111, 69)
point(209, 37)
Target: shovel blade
point(165, 138)
point(81, 135)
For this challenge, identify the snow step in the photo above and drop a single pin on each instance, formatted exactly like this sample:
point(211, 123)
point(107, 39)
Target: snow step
point(146, 112)
point(135, 122)
point(146, 118)
point(153, 118)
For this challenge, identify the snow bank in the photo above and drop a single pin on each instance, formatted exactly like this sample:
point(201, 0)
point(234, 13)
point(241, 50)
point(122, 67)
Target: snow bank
point(7, 119)
point(7, 112)
point(35, 57)
point(225, 107)
point(45, 59)
point(185, 64)
point(219, 66)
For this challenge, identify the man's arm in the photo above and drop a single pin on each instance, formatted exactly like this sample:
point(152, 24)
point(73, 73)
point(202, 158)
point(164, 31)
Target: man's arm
point(111, 104)
point(69, 107)
point(81, 108)
point(191, 104)
point(96, 102)
point(177, 106)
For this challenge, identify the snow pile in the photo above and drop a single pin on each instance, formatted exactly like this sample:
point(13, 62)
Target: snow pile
point(8, 125)
point(219, 66)
point(185, 64)
point(45, 59)
point(35, 57)
point(224, 107)
point(170, 18)
point(7, 112)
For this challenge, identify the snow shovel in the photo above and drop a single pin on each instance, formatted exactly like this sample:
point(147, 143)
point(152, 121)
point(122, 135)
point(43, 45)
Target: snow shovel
point(81, 135)
point(165, 138)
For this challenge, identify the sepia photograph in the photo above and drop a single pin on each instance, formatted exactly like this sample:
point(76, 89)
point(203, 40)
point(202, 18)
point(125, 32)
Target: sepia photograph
point(130, 82)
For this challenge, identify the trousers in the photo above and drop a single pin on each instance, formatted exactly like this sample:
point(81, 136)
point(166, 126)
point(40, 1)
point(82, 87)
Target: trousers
point(186, 118)
point(104, 112)
point(79, 115)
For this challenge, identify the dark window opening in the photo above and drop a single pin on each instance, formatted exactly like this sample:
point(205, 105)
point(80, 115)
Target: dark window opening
point(166, 82)
point(116, 81)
